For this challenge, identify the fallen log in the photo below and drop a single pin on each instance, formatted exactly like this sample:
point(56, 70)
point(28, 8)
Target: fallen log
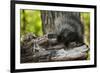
point(78, 53)
point(56, 47)
point(47, 50)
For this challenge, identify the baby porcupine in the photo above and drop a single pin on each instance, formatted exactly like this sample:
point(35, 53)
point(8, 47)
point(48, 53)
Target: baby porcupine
point(69, 28)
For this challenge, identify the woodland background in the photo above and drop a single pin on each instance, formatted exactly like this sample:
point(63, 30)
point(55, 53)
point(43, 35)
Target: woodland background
point(31, 22)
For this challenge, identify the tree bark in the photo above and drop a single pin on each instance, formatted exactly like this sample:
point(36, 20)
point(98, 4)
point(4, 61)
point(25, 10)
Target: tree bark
point(49, 17)
point(24, 22)
point(48, 52)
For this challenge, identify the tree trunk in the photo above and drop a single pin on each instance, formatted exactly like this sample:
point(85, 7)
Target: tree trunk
point(49, 17)
point(24, 22)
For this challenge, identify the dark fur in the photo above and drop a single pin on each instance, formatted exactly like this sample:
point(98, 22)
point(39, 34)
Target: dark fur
point(69, 29)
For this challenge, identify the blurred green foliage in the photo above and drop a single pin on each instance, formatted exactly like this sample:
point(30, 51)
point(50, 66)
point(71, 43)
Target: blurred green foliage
point(85, 17)
point(31, 22)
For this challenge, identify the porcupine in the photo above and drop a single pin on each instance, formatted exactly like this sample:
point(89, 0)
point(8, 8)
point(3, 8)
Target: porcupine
point(69, 28)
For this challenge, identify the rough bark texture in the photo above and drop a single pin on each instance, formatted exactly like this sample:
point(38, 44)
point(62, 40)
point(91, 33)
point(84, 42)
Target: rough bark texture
point(43, 49)
point(47, 52)
point(49, 17)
